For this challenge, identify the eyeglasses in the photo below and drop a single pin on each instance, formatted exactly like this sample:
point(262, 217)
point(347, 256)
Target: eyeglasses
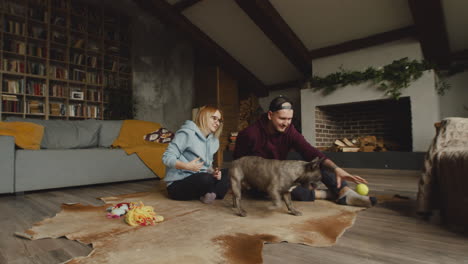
point(215, 118)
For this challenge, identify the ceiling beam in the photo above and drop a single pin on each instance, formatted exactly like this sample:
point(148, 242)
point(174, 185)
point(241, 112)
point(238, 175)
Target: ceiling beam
point(184, 4)
point(286, 85)
point(275, 28)
point(366, 42)
point(167, 14)
point(430, 23)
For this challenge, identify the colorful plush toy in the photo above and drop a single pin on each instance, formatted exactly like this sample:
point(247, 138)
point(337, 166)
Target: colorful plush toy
point(118, 210)
point(139, 214)
point(135, 214)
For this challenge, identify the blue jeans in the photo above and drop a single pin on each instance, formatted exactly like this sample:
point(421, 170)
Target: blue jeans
point(328, 178)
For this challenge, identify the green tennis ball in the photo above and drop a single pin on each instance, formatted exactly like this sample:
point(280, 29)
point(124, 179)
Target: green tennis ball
point(362, 189)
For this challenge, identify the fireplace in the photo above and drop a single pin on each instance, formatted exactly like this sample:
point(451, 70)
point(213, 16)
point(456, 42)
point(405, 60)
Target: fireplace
point(420, 97)
point(389, 120)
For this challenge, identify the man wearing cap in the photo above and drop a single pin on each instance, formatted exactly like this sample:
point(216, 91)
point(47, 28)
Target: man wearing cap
point(273, 136)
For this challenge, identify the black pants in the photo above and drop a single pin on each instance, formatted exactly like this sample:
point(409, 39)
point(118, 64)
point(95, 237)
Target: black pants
point(328, 178)
point(198, 184)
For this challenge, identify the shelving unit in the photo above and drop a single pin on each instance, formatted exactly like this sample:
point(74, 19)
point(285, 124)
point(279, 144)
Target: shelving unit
point(62, 59)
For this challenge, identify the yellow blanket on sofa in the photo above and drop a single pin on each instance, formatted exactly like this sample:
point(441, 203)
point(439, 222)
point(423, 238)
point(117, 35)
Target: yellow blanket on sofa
point(27, 135)
point(131, 139)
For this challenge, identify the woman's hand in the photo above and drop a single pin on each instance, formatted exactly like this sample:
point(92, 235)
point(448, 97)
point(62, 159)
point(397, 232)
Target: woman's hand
point(217, 174)
point(194, 165)
point(343, 175)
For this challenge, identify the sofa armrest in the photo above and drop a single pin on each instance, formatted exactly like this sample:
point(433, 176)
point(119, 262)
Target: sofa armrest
point(7, 164)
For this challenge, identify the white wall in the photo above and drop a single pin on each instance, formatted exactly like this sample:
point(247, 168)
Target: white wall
point(425, 103)
point(455, 101)
point(292, 93)
point(376, 56)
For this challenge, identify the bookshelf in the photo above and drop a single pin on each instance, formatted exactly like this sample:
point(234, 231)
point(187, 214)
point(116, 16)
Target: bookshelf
point(62, 59)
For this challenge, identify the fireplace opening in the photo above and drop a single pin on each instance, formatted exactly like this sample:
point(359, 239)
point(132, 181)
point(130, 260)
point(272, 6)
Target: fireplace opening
point(388, 120)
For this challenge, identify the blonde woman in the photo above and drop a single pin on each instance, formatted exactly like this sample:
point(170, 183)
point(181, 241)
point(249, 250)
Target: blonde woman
point(189, 159)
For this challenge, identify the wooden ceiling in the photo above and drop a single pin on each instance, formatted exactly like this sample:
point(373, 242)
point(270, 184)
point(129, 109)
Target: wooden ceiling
point(427, 23)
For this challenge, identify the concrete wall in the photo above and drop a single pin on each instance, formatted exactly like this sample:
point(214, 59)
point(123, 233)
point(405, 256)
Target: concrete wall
point(425, 103)
point(163, 68)
point(162, 63)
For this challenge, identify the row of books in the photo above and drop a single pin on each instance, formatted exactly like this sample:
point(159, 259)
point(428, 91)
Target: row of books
point(94, 95)
point(37, 32)
point(19, 66)
point(38, 14)
point(15, 46)
point(14, 27)
point(93, 78)
point(11, 103)
point(111, 65)
point(13, 86)
point(36, 68)
point(92, 111)
point(36, 88)
point(57, 54)
point(110, 80)
point(38, 51)
point(57, 90)
point(75, 110)
point(57, 109)
point(14, 8)
point(13, 65)
point(78, 59)
point(58, 72)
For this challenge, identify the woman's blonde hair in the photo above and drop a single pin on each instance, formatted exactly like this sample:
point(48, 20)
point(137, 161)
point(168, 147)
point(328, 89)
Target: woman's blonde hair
point(204, 114)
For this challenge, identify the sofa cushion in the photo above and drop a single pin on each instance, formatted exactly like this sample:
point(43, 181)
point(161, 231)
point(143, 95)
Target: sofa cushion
point(109, 132)
point(64, 134)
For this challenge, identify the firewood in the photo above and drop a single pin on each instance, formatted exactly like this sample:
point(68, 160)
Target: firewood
point(368, 141)
point(349, 149)
point(348, 143)
point(340, 143)
point(367, 149)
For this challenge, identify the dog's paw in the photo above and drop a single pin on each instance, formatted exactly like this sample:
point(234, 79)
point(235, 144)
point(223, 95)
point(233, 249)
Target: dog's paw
point(296, 213)
point(242, 213)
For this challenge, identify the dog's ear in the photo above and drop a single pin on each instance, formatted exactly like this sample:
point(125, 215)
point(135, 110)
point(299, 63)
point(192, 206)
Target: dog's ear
point(315, 163)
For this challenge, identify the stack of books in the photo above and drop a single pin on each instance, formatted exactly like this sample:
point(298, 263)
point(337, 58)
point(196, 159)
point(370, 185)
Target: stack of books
point(35, 107)
point(57, 109)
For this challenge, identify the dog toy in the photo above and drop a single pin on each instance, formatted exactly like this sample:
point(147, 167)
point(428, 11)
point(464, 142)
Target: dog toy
point(117, 210)
point(140, 214)
point(362, 189)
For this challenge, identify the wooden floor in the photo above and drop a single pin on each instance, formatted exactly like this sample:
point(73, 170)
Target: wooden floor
point(388, 233)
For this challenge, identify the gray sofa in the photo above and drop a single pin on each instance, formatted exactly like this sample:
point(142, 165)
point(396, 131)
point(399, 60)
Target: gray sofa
point(73, 153)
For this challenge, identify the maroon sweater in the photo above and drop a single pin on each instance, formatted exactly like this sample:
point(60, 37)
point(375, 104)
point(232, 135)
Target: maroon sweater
point(256, 141)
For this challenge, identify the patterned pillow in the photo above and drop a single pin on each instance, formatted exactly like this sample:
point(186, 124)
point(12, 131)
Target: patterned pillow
point(161, 135)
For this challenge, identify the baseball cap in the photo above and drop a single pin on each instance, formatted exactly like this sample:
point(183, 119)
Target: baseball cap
point(279, 103)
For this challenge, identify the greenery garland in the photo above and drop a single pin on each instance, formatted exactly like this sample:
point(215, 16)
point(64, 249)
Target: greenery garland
point(391, 78)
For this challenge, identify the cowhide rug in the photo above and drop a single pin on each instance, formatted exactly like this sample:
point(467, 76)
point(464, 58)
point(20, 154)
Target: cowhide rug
point(193, 232)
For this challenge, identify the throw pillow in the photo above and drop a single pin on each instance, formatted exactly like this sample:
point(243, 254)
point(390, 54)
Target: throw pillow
point(161, 135)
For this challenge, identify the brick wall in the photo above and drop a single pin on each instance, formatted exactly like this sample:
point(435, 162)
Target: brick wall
point(388, 120)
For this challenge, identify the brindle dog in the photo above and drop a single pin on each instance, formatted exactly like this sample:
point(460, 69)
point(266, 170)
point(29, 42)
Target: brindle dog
point(275, 177)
